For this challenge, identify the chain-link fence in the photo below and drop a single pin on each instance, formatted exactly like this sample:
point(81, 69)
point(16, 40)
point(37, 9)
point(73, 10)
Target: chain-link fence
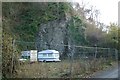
point(77, 62)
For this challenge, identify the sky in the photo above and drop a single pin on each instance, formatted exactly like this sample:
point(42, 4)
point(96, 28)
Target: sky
point(108, 9)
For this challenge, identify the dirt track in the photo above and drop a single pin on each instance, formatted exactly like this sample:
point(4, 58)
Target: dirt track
point(108, 73)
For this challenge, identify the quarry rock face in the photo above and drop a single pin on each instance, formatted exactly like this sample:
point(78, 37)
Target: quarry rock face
point(53, 35)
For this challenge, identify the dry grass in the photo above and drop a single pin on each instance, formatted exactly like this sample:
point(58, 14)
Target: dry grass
point(80, 69)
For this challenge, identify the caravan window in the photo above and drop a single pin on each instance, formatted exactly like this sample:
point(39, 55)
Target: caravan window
point(44, 55)
point(56, 55)
point(40, 55)
point(49, 55)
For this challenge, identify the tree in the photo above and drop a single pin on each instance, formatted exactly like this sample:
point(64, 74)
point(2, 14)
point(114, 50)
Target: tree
point(113, 35)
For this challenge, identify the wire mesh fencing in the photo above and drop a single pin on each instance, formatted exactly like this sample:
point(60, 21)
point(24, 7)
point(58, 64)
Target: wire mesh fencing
point(76, 62)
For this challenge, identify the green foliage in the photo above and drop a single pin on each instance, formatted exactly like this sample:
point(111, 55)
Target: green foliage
point(113, 35)
point(77, 29)
point(32, 16)
point(25, 18)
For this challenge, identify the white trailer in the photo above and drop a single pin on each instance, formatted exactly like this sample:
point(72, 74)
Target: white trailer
point(33, 55)
point(48, 55)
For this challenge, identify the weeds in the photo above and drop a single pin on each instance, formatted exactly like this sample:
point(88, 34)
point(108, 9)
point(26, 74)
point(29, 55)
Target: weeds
point(80, 69)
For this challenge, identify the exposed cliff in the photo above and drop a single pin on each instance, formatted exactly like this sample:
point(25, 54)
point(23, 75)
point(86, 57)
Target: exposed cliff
point(60, 35)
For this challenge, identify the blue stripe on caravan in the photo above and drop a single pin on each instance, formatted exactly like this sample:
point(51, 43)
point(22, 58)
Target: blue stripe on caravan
point(47, 58)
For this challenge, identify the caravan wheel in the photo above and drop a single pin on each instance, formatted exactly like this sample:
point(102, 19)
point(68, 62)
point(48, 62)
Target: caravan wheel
point(44, 60)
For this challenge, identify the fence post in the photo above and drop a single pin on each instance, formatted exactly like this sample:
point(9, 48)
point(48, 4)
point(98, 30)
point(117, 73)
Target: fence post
point(116, 54)
point(12, 62)
point(108, 56)
point(95, 51)
point(95, 56)
point(71, 63)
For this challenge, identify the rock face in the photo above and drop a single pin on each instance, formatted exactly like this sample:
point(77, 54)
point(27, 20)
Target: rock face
point(53, 35)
